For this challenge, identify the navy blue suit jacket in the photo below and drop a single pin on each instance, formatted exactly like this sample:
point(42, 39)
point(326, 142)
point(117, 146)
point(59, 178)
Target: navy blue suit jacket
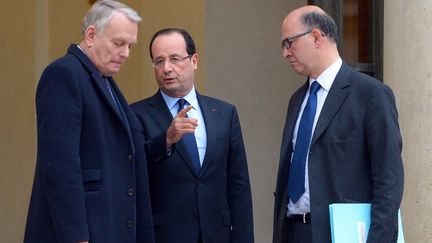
point(91, 172)
point(355, 156)
point(217, 201)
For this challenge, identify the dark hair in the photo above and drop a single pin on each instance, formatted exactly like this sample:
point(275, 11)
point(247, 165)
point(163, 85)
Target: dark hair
point(323, 22)
point(190, 45)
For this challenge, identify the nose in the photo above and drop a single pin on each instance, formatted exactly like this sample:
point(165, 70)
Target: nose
point(125, 52)
point(286, 53)
point(167, 66)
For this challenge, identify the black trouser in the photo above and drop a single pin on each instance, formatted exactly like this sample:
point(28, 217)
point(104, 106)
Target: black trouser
point(199, 237)
point(298, 232)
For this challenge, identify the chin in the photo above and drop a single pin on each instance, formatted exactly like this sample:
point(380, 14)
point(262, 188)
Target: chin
point(172, 91)
point(298, 70)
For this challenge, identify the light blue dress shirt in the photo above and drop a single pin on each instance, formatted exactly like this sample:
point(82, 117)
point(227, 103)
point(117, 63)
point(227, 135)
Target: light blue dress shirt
point(325, 79)
point(195, 112)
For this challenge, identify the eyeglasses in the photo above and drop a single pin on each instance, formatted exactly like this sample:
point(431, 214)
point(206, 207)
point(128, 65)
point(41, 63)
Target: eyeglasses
point(288, 41)
point(174, 61)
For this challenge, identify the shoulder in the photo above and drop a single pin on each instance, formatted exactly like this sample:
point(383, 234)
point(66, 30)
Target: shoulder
point(62, 72)
point(360, 82)
point(369, 89)
point(207, 100)
point(62, 69)
point(211, 104)
point(142, 104)
point(357, 78)
point(66, 62)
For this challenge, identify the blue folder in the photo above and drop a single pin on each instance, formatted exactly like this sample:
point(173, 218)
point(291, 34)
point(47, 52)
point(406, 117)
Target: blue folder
point(349, 223)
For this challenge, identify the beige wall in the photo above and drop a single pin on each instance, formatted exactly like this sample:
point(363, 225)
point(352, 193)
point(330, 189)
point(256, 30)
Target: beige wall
point(17, 117)
point(240, 61)
point(408, 70)
point(187, 14)
point(245, 67)
point(34, 34)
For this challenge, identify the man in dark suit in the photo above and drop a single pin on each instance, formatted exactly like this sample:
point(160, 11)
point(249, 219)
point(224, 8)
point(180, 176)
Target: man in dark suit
point(91, 180)
point(202, 192)
point(341, 141)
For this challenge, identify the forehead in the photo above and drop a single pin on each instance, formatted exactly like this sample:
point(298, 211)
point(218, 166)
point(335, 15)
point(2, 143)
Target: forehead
point(291, 26)
point(120, 26)
point(168, 45)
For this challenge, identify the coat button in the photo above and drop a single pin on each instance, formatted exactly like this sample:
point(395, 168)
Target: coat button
point(130, 192)
point(129, 158)
point(130, 224)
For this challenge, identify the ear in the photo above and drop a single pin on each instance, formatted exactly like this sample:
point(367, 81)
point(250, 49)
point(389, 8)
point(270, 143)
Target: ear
point(317, 36)
point(90, 35)
point(195, 61)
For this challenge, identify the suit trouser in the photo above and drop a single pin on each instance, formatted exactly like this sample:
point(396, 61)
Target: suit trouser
point(297, 232)
point(199, 237)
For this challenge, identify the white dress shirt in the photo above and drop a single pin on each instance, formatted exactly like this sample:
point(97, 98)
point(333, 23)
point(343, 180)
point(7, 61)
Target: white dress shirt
point(326, 81)
point(195, 112)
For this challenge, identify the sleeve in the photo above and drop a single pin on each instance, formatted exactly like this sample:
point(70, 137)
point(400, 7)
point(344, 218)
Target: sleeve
point(156, 148)
point(384, 144)
point(59, 119)
point(239, 191)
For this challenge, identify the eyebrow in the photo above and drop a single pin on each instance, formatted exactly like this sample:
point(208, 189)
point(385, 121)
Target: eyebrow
point(170, 56)
point(123, 40)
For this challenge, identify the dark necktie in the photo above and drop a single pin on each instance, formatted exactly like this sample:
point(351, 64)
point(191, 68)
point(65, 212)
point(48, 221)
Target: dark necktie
point(113, 98)
point(296, 179)
point(189, 141)
point(120, 111)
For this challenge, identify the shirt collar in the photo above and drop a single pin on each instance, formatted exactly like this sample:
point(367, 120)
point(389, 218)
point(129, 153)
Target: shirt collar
point(327, 77)
point(79, 47)
point(191, 98)
point(104, 77)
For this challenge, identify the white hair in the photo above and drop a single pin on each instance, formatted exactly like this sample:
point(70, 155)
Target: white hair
point(101, 12)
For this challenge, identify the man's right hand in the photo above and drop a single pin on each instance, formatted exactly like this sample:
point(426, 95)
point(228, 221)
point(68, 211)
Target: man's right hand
point(180, 126)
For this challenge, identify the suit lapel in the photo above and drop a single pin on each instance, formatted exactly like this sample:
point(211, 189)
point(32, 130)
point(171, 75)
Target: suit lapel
point(337, 94)
point(162, 115)
point(102, 86)
point(291, 120)
point(98, 80)
point(286, 147)
point(209, 113)
point(123, 108)
point(160, 112)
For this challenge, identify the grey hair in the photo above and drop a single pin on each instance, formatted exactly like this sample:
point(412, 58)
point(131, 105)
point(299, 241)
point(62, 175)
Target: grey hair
point(322, 22)
point(101, 12)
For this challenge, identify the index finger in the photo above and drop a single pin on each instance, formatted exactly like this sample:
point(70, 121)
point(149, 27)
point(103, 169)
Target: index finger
point(183, 112)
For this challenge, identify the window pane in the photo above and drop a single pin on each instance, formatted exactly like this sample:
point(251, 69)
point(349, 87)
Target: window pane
point(357, 30)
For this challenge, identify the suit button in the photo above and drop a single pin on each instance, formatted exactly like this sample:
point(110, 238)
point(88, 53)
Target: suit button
point(130, 224)
point(129, 158)
point(130, 192)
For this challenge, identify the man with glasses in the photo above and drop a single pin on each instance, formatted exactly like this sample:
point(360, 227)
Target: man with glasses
point(201, 193)
point(341, 141)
